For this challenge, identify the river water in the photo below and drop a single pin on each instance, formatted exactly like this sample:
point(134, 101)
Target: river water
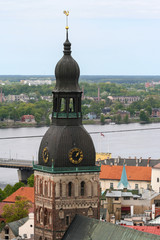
point(121, 140)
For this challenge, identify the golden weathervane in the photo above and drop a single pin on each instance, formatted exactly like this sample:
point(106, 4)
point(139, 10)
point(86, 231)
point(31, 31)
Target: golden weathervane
point(67, 14)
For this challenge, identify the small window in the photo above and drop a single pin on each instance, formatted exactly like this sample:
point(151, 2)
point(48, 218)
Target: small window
point(126, 198)
point(136, 186)
point(111, 185)
point(148, 186)
point(116, 198)
point(157, 179)
point(7, 230)
point(67, 220)
point(157, 203)
point(82, 188)
point(70, 189)
point(25, 235)
point(31, 225)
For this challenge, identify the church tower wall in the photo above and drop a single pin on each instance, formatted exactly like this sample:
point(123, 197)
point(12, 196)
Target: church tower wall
point(59, 197)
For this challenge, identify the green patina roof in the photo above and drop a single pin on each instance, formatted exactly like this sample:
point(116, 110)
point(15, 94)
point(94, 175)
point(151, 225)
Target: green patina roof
point(66, 169)
point(83, 228)
point(124, 181)
point(14, 226)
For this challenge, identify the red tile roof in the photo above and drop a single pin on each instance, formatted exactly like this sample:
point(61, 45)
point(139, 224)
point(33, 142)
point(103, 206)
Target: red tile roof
point(149, 229)
point(27, 192)
point(134, 173)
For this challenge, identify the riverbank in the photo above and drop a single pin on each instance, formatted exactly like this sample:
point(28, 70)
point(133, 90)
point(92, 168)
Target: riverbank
point(18, 124)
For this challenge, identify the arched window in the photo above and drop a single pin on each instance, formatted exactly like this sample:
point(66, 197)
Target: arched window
point(41, 215)
point(55, 104)
point(41, 187)
point(82, 188)
point(70, 189)
point(37, 215)
point(90, 211)
point(46, 188)
point(40, 238)
point(45, 217)
point(63, 105)
point(71, 105)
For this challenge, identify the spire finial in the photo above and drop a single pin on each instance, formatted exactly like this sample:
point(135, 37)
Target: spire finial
point(67, 45)
point(67, 14)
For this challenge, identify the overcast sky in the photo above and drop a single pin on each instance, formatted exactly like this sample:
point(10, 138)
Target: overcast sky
point(109, 37)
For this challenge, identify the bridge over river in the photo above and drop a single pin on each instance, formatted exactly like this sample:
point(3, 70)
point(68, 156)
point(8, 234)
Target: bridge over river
point(25, 167)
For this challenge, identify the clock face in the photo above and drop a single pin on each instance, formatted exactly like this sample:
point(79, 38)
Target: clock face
point(45, 155)
point(75, 156)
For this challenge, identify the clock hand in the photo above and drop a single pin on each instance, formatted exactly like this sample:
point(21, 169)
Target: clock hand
point(77, 154)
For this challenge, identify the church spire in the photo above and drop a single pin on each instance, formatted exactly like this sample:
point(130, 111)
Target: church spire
point(124, 181)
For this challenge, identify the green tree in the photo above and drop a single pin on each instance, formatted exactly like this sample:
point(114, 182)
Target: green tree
point(30, 181)
point(47, 121)
point(37, 118)
point(7, 190)
point(17, 186)
point(102, 119)
point(126, 119)
point(149, 110)
point(2, 195)
point(118, 118)
point(143, 116)
point(16, 211)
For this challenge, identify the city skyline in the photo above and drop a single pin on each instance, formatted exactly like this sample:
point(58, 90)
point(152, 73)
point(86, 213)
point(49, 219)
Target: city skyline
point(115, 37)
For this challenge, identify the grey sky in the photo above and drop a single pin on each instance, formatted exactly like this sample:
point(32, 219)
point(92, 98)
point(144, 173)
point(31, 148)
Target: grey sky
point(107, 36)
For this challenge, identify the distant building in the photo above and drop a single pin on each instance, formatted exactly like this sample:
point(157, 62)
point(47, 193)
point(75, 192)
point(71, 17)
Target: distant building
point(27, 229)
point(91, 116)
point(129, 206)
point(28, 119)
point(138, 177)
point(123, 113)
point(155, 112)
point(20, 229)
point(17, 98)
point(47, 98)
point(11, 230)
point(36, 82)
point(124, 99)
point(155, 178)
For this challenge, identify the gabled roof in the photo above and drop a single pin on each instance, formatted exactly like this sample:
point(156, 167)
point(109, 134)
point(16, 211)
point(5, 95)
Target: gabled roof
point(121, 194)
point(84, 228)
point(157, 166)
point(123, 182)
point(27, 192)
point(14, 226)
point(134, 173)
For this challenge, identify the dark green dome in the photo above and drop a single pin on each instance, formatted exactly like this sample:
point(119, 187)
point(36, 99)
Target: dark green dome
point(67, 72)
point(60, 140)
